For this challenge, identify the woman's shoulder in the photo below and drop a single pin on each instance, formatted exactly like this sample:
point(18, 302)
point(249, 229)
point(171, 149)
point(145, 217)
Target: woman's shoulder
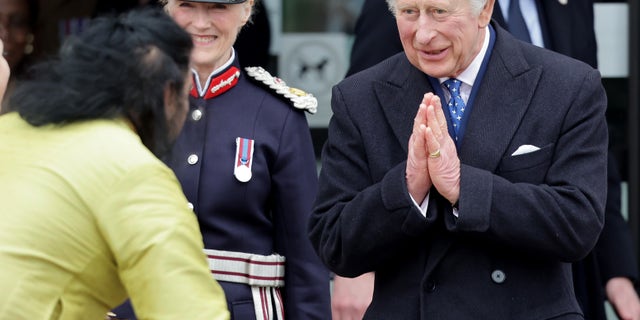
point(112, 142)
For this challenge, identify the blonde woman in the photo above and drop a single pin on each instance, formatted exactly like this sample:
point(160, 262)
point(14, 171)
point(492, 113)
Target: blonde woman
point(246, 163)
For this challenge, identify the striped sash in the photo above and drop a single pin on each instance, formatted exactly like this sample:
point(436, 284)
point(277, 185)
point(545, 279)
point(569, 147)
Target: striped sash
point(265, 275)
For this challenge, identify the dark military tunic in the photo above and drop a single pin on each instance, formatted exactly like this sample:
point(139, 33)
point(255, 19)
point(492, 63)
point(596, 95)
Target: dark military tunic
point(268, 213)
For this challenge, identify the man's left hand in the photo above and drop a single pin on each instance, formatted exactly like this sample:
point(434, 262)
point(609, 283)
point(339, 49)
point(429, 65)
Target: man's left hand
point(443, 161)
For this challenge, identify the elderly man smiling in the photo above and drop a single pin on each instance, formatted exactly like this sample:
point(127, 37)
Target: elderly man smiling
point(467, 172)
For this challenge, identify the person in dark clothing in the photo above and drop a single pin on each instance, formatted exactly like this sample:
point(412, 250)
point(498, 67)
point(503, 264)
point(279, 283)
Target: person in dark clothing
point(254, 41)
point(246, 164)
point(610, 270)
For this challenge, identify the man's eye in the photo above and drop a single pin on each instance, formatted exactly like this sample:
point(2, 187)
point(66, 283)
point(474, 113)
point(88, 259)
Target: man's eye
point(439, 12)
point(408, 11)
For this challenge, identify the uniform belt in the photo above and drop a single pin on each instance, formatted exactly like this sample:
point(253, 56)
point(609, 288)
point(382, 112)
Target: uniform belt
point(265, 275)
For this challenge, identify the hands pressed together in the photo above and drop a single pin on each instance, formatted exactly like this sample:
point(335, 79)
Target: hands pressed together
point(432, 158)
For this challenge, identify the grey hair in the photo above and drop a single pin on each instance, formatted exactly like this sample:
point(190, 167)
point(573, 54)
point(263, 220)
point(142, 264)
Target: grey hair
point(476, 6)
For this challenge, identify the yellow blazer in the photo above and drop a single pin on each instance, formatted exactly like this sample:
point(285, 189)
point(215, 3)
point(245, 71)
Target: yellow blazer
point(89, 216)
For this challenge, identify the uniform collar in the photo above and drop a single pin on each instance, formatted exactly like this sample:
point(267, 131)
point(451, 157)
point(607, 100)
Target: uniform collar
point(219, 82)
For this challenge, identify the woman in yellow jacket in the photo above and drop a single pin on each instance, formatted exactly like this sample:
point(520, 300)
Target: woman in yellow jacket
point(88, 214)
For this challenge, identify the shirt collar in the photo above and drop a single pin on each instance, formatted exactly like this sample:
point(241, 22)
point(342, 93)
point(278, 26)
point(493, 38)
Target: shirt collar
point(468, 76)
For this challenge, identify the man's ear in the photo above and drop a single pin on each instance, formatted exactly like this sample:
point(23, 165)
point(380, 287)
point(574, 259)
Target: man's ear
point(485, 15)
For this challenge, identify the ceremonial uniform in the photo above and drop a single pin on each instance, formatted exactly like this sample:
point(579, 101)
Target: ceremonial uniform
point(246, 163)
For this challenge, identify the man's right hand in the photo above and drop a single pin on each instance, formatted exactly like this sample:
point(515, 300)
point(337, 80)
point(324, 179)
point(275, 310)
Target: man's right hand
point(417, 172)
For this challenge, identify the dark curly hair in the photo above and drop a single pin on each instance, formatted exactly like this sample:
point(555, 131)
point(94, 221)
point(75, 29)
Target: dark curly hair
point(118, 67)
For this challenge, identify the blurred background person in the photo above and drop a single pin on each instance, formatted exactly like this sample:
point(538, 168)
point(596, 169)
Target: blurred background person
point(17, 24)
point(375, 36)
point(17, 21)
point(254, 41)
point(609, 272)
point(89, 214)
point(246, 163)
point(59, 19)
point(120, 6)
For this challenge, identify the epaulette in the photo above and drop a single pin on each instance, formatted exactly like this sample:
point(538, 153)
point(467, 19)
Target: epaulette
point(299, 98)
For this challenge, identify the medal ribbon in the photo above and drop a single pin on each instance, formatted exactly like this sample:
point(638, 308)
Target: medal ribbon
point(245, 152)
point(243, 161)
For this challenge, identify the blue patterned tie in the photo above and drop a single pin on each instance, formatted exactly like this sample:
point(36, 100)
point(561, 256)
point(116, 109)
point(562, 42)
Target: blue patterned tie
point(516, 23)
point(456, 104)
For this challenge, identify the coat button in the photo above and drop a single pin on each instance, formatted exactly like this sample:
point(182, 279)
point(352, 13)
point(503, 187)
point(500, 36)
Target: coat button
point(190, 205)
point(430, 286)
point(498, 276)
point(196, 115)
point(193, 159)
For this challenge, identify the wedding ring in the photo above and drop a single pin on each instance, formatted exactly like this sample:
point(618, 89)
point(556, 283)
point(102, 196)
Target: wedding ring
point(434, 154)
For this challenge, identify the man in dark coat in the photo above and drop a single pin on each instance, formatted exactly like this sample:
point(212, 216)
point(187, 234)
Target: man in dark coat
point(482, 222)
point(568, 29)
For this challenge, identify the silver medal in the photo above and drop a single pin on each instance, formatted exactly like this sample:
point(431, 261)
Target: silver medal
point(242, 173)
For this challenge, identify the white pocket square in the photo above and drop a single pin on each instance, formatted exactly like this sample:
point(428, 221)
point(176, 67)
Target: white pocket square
point(524, 149)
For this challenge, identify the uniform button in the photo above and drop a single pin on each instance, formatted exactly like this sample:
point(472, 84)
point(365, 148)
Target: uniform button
point(498, 276)
point(193, 159)
point(196, 115)
point(190, 205)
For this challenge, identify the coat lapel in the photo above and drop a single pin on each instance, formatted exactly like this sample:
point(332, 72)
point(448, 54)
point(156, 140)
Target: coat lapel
point(501, 102)
point(503, 98)
point(499, 107)
point(400, 96)
point(494, 117)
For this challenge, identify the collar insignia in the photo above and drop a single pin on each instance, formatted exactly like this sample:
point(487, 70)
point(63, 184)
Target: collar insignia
point(220, 84)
